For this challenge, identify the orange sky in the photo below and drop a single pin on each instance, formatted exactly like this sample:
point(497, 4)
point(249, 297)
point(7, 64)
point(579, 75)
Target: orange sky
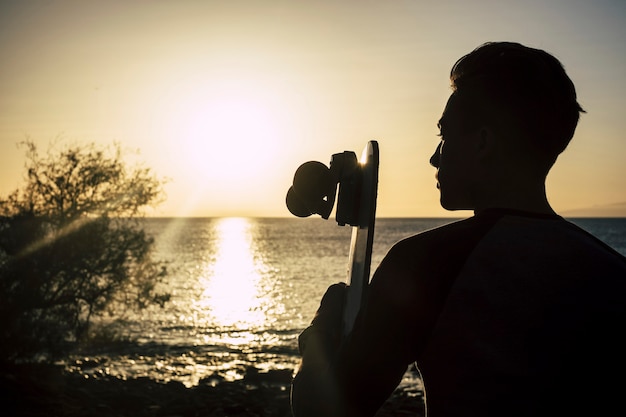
point(227, 99)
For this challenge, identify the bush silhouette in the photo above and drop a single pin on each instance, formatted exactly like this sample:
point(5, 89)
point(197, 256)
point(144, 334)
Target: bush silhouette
point(72, 249)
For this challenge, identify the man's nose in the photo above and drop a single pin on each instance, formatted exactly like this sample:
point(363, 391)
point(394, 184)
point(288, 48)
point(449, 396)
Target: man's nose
point(434, 159)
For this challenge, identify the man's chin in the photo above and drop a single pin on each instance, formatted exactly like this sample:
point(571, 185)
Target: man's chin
point(455, 205)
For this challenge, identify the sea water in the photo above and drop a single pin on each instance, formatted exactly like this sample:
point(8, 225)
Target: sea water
point(242, 289)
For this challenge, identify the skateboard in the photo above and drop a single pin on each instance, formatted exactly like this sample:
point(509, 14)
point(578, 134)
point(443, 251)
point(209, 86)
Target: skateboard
point(314, 191)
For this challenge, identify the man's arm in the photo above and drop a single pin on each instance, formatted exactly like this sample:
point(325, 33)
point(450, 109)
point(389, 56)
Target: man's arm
point(315, 390)
point(356, 376)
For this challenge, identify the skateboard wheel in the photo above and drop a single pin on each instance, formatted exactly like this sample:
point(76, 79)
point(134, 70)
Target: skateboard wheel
point(311, 181)
point(296, 206)
point(312, 184)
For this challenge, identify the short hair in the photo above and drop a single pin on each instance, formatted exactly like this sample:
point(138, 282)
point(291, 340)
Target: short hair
point(524, 86)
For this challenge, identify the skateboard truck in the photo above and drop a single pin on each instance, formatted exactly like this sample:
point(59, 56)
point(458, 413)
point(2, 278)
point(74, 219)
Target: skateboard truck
point(315, 187)
point(314, 191)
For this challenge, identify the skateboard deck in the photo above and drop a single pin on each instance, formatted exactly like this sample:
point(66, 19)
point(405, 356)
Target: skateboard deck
point(314, 191)
point(360, 255)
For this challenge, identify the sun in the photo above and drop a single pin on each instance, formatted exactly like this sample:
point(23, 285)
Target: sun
point(227, 145)
point(232, 137)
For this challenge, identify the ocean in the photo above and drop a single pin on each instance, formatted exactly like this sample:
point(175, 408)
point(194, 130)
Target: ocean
point(243, 289)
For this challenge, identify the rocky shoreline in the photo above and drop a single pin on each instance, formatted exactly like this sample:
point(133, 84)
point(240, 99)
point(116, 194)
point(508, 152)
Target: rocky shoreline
point(40, 390)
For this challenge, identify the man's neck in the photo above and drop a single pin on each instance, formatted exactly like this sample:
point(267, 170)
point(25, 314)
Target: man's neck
point(531, 200)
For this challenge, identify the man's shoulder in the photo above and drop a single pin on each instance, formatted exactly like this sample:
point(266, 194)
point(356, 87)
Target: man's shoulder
point(447, 238)
point(434, 253)
point(551, 237)
point(501, 232)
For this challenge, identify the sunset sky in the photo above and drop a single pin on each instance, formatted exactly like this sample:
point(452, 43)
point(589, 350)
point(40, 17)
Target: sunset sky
point(227, 98)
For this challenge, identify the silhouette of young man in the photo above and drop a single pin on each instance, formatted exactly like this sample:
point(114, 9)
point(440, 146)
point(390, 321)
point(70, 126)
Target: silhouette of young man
point(512, 312)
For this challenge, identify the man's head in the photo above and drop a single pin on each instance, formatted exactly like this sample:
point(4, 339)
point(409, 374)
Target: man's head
point(511, 106)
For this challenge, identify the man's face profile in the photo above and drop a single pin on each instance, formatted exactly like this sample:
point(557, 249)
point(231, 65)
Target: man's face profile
point(453, 158)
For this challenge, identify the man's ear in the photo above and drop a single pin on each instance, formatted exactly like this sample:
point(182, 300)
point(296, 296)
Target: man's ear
point(485, 141)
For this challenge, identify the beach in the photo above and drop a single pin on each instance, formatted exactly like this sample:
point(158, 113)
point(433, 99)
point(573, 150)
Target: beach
point(48, 390)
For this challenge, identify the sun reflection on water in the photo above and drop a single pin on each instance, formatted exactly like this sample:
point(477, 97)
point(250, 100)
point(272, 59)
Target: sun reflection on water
point(232, 296)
